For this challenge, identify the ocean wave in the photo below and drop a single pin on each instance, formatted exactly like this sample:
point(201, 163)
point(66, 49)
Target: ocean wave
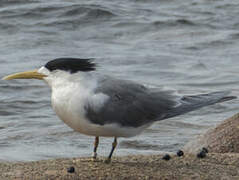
point(8, 28)
point(175, 22)
point(88, 12)
point(199, 67)
point(16, 2)
point(134, 144)
point(156, 23)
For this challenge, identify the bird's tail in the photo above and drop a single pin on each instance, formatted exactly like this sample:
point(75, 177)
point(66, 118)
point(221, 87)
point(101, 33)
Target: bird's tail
point(191, 103)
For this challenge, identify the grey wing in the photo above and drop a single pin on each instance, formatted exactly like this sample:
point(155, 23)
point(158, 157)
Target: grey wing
point(129, 104)
point(191, 103)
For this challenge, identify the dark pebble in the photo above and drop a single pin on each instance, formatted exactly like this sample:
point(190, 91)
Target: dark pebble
point(205, 150)
point(201, 154)
point(166, 157)
point(71, 169)
point(180, 153)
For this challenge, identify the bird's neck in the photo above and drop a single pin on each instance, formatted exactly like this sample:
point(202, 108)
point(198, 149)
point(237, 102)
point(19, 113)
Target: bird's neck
point(80, 81)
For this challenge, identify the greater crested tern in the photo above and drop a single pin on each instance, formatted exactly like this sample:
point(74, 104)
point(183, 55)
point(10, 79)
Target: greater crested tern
point(100, 105)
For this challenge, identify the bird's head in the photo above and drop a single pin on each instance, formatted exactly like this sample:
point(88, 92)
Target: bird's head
point(62, 65)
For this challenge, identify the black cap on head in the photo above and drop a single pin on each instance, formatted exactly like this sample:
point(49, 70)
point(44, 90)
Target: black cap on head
point(71, 65)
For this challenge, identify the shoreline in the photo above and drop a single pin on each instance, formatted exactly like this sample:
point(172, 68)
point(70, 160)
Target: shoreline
point(213, 166)
point(222, 162)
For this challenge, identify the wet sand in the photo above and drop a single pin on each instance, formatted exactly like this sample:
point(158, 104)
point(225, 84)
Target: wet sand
point(213, 166)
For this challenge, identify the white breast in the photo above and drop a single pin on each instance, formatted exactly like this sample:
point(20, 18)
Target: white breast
point(68, 102)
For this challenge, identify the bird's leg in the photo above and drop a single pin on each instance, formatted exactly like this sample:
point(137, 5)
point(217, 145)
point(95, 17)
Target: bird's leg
point(114, 144)
point(95, 147)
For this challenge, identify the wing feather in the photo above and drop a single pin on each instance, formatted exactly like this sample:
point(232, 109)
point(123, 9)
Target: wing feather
point(129, 104)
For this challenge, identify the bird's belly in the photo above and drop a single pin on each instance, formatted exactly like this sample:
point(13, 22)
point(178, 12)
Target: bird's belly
point(81, 124)
point(84, 126)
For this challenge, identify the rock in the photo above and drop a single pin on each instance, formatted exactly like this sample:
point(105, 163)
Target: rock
point(71, 169)
point(221, 139)
point(166, 157)
point(201, 154)
point(205, 150)
point(180, 153)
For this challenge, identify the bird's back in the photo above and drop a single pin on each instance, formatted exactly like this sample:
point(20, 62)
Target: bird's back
point(133, 105)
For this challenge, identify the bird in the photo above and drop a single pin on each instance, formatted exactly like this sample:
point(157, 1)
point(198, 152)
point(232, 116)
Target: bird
point(100, 105)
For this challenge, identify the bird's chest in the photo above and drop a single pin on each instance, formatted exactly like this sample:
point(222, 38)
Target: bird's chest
point(69, 107)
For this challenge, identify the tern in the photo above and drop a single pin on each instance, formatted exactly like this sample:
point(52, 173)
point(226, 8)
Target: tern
point(99, 105)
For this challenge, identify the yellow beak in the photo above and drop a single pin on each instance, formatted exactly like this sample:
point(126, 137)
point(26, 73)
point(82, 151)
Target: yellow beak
point(25, 75)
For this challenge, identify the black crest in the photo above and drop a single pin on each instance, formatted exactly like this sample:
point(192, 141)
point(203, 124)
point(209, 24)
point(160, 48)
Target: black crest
point(72, 65)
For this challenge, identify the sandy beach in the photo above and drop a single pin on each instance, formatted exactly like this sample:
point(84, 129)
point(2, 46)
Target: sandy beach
point(222, 162)
point(213, 166)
